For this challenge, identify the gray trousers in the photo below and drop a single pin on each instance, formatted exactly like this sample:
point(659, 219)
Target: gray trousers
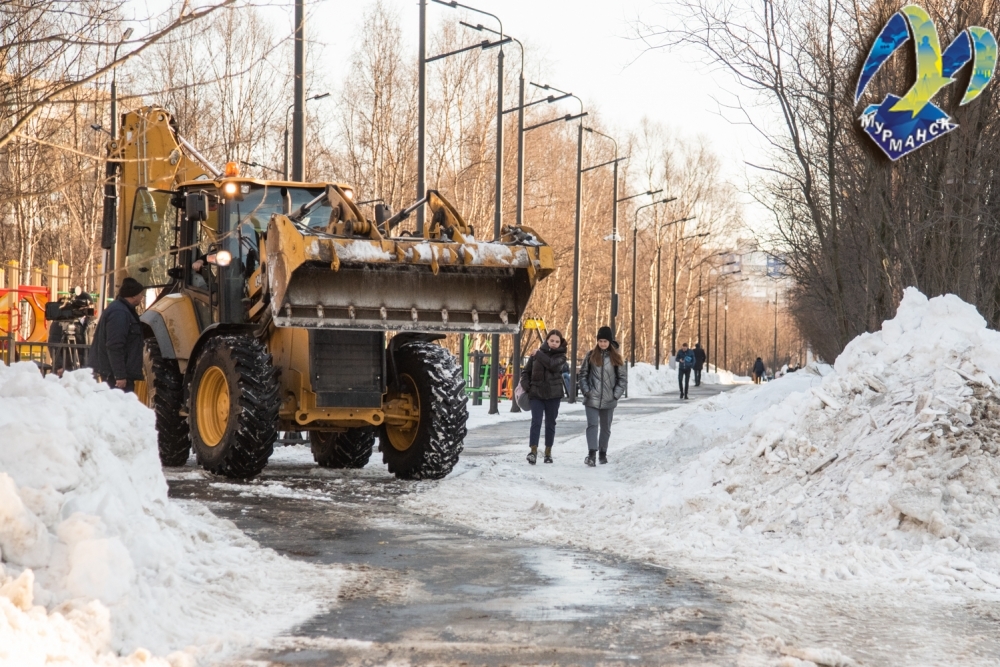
point(599, 420)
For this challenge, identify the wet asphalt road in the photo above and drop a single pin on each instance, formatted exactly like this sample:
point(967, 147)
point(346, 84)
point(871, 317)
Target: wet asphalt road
point(425, 592)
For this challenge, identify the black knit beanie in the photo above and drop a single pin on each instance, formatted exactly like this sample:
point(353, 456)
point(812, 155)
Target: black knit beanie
point(130, 287)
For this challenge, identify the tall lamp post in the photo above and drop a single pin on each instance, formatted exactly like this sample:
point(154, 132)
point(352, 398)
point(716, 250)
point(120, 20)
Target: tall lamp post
point(110, 213)
point(635, 254)
point(422, 62)
point(673, 303)
point(614, 225)
point(659, 255)
point(519, 210)
point(287, 111)
point(498, 191)
point(576, 242)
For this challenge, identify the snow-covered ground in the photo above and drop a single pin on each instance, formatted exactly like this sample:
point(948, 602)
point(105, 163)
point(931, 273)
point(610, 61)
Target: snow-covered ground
point(878, 476)
point(97, 566)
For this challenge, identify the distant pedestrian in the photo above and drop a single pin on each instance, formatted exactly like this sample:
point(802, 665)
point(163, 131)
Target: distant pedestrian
point(116, 353)
point(685, 362)
point(543, 381)
point(566, 376)
point(603, 379)
point(758, 370)
point(699, 363)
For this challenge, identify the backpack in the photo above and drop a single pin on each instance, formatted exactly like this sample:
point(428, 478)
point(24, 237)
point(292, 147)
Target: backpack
point(688, 359)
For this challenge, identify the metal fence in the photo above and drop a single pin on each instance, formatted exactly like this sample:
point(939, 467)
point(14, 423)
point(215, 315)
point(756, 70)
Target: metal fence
point(48, 356)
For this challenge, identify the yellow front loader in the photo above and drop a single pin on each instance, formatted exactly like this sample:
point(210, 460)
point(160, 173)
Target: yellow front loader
point(281, 306)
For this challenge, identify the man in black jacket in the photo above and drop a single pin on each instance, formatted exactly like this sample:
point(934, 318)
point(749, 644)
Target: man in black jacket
point(699, 363)
point(116, 353)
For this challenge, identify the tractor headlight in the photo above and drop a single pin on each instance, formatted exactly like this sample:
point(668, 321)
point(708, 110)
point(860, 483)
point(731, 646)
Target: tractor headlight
point(220, 258)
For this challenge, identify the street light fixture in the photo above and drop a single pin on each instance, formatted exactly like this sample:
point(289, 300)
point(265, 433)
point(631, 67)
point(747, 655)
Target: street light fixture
point(498, 180)
point(659, 256)
point(673, 328)
point(290, 107)
point(574, 336)
point(635, 253)
point(109, 227)
point(614, 225)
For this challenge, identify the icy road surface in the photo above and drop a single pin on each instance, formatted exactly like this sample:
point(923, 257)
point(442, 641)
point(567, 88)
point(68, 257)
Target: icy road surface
point(429, 592)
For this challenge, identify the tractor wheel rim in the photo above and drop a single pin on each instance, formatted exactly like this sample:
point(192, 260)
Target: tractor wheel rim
point(402, 439)
point(213, 406)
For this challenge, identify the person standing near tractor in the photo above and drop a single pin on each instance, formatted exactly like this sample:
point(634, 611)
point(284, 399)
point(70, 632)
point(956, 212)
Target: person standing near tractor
point(603, 380)
point(685, 362)
point(543, 381)
point(699, 363)
point(116, 353)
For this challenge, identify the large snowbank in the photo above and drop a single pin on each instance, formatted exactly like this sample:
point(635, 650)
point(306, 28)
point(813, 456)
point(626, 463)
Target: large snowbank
point(96, 562)
point(885, 471)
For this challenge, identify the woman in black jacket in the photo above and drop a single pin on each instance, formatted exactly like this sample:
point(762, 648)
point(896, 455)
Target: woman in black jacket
point(758, 371)
point(603, 380)
point(542, 379)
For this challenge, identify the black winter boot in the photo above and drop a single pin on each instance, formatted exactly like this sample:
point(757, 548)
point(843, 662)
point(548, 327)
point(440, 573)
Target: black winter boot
point(590, 459)
point(533, 455)
point(548, 455)
point(603, 457)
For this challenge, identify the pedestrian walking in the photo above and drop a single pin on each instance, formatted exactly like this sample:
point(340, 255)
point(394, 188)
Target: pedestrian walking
point(603, 380)
point(699, 362)
point(543, 381)
point(758, 370)
point(116, 353)
point(685, 362)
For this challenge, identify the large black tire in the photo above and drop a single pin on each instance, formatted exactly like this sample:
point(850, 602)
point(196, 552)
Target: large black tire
point(165, 397)
point(233, 406)
point(443, 413)
point(350, 449)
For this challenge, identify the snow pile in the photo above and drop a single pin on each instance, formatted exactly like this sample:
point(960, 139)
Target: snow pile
point(883, 470)
point(95, 561)
point(645, 380)
point(892, 461)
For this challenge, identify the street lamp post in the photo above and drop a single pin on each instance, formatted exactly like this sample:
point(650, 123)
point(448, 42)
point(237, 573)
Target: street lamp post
point(110, 212)
point(614, 226)
point(673, 303)
point(775, 366)
point(725, 330)
point(715, 338)
point(659, 256)
point(290, 107)
point(422, 61)
point(635, 254)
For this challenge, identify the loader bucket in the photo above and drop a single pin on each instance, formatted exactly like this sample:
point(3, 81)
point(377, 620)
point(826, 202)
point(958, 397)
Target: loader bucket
point(318, 281)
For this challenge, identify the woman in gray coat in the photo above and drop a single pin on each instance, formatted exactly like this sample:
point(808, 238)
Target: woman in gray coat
point(603, 379)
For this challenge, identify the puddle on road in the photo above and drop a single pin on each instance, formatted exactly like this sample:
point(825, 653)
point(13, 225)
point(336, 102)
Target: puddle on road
point(571, 587)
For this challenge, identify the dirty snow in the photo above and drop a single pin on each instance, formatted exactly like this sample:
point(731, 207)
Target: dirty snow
point(880, 474)
point(96, 563)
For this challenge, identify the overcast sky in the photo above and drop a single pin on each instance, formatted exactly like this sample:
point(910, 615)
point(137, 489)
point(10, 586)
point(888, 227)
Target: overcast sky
point(583, 46)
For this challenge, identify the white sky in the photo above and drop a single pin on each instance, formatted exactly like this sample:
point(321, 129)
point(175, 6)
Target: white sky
point(582, 46)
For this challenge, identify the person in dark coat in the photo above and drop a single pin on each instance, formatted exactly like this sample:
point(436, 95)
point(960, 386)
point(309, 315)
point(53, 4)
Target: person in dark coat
point(603, 380)
point(685, 362)
point(543, 381)
point(116, 353)
point(699, 363)
point(758, 370)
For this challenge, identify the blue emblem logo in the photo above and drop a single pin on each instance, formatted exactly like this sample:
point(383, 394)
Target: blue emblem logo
point(901, 125)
